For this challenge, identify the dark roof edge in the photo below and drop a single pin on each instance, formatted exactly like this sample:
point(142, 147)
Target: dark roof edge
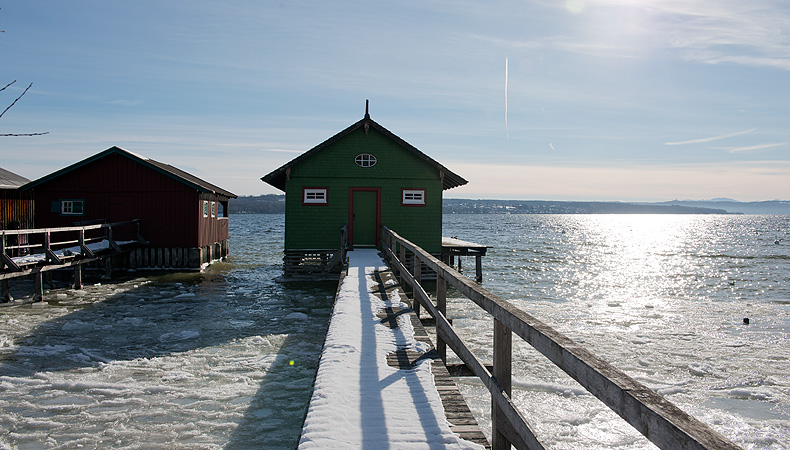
point(165, 169)
point(450, 180)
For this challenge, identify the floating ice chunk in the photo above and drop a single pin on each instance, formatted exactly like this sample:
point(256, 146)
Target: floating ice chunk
point(76, 325)
point(751, 394)
point(257, 340)
point(186, 294)
point(61, 296)
point(700, 370)
point(296, 316)
point(180, 336)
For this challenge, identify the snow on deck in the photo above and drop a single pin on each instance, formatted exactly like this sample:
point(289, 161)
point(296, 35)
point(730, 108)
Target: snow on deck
point(360, 401)
point(76, 250)
point(455, 242)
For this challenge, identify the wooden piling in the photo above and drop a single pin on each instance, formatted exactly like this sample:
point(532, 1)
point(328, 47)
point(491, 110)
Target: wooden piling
point(38, 287)
point(5, 295)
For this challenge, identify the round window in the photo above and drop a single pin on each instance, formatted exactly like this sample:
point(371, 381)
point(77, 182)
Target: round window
point(365, 160)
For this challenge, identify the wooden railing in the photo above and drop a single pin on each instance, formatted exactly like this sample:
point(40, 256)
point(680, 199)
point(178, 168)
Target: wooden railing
point(660, 421)
point(46, 241)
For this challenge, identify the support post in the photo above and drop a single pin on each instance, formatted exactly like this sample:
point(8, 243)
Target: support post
point(51, 256)
point(479, 268)
point(441, 306)
point(6, 292)
point(38, 287)
point(78, 276)
point(107, 268)
point(460, 269)
point(503, 350)
point(418, 278)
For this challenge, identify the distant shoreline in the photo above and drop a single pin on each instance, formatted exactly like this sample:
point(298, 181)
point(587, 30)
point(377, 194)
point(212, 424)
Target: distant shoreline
point(275, 204)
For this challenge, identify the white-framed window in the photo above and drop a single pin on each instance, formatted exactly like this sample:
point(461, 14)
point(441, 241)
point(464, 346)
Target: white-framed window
point(205, 208)
point(365, 160)
point(72, 207)
point(213, 209)
point(315, 196)
point(413, 197)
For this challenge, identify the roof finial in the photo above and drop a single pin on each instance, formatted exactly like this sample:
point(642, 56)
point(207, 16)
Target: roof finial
point(367, 104)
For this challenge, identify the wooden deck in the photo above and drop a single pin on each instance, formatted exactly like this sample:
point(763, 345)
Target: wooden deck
point(456, 410)
point(371, 381)
point(453, 247)
point(38, 251)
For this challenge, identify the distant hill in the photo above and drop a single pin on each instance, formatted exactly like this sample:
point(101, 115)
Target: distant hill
point(275, 204)
point(773, 207)
point(463, 206)
point(260, 204)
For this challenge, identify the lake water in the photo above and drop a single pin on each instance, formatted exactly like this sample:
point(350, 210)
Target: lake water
point(184, 361)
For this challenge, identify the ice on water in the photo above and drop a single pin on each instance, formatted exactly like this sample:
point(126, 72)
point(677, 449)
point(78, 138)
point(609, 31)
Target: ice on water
point(202, 362)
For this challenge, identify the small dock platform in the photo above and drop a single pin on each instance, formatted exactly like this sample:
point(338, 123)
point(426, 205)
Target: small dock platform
point(376, 384)
point(452, 247)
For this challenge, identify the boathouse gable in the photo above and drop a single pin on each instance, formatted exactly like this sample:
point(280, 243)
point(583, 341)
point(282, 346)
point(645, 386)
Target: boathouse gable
point(336, 173)
point(362, 178)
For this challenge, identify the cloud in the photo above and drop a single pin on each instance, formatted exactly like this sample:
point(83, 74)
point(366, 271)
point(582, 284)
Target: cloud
point(752, 148)
point(744, 180)
point(710, 139)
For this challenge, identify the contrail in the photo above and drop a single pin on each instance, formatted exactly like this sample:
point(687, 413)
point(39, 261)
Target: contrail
point(712, 138)
point(506, 128)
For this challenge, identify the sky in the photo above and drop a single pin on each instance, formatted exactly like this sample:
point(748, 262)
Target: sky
point(600, 100)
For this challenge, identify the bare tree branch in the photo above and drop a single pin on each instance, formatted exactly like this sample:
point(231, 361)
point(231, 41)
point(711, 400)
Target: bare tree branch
point(23, 134)
point(14, 103)
point(15, 100)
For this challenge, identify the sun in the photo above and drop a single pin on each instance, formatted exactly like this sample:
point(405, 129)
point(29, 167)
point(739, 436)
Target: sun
point(574, 6)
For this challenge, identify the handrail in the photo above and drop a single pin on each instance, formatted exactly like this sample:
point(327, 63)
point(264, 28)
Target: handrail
point(663, 423)
point(48, 244)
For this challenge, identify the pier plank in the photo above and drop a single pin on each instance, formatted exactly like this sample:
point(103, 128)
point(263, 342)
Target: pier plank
point(457, 411)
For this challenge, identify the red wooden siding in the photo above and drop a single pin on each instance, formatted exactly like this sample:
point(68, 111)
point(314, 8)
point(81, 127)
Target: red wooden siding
point(117, 188)
point(16, 206)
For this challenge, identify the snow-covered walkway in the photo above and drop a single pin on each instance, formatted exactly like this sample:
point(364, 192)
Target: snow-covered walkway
point(361, 402)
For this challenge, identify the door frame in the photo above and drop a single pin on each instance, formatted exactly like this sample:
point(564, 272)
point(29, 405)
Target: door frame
point(351, 191)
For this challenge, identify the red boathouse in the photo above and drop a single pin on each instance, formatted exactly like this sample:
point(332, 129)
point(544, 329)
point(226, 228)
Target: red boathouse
point(184, 218)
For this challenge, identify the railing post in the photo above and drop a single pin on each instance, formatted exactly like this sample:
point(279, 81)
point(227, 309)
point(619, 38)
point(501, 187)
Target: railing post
point(418, 278)
point(441, 306)
point(503, 351)
point(402, 258)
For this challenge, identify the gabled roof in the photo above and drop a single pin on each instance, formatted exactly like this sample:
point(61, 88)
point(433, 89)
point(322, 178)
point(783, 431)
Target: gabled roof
point(10, 180)
point(165, 169)
point(450, 180)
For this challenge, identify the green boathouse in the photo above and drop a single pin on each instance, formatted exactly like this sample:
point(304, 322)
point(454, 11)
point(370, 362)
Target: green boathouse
point(340, 193)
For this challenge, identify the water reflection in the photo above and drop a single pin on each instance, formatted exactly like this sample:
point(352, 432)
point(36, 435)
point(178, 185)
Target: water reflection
point(661, 297)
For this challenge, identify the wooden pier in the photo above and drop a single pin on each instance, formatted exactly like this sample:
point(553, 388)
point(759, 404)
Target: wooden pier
point(663, 423)
point(373, 388)
point(453, 248)
point(39, 251)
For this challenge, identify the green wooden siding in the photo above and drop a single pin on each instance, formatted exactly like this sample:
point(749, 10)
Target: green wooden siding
point(333, 168)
